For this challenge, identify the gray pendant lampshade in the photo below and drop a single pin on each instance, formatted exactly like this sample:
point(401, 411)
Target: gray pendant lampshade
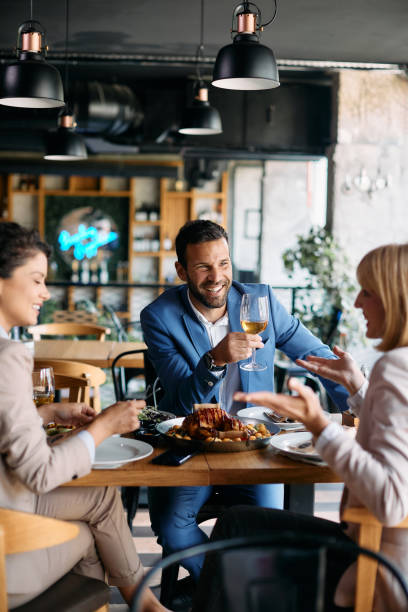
point(31, 82)
point(64, 144)
point(201, 119)
point(246, 64)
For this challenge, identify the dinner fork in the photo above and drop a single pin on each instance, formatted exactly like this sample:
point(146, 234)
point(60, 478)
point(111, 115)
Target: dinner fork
point(274, 417)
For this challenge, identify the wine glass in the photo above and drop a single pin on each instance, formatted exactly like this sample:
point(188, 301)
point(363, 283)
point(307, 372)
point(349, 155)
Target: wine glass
point(254, 319)
point(43, 386)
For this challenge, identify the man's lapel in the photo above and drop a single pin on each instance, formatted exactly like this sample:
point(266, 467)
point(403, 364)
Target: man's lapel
point(196, 331)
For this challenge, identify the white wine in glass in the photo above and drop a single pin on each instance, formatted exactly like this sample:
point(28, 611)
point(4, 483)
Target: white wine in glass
point(254, 319)
point(43, 386)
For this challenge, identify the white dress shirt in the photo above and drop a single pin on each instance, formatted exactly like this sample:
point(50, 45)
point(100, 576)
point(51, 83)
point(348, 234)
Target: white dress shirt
point(216, 332)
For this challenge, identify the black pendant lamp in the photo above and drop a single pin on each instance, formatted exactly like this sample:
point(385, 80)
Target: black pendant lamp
point(200, 119)
point(246, 64)
point(64, 144)
point(31, 82)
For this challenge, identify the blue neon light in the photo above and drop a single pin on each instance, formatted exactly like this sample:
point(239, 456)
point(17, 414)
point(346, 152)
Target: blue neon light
point(90, 248)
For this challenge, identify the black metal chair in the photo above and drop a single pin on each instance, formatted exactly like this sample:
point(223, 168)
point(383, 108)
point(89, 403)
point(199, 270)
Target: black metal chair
point(287, 571)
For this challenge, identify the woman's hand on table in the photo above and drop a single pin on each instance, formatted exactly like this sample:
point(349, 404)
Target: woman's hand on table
point(121, 417)
point(343, 370)
point(304, 407)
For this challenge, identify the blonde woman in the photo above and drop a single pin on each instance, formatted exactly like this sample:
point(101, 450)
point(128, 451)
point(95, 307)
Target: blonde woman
point(374, 465)
point(31, 470)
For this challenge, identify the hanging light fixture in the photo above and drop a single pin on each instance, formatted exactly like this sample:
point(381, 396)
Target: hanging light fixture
point(200, 119)
point(246, 64)
point(64, 144)
point(31, 82)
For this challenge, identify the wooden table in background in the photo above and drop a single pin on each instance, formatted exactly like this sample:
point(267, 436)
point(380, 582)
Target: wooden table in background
point(94, 352)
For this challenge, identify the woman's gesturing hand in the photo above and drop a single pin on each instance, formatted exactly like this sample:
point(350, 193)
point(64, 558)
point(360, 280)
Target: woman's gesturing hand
point(343, 370)
point(304, 407)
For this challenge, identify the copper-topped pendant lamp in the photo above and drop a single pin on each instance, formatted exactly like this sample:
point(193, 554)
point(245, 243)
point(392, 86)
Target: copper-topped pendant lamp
point(64, 144)
point(31, 82)
point(246, 64)
point(200, 119)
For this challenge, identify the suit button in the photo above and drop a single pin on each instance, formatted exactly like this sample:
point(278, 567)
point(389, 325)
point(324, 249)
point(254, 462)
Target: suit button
point(75, 476)
point(210, 383)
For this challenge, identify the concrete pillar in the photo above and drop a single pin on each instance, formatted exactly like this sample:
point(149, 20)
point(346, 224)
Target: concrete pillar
point(368, 160)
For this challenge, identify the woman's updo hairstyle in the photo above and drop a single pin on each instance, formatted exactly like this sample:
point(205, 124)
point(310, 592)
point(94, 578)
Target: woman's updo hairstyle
point(17, 244)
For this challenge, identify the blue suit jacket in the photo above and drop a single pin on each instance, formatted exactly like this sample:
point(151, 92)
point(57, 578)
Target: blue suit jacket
point(177, 342)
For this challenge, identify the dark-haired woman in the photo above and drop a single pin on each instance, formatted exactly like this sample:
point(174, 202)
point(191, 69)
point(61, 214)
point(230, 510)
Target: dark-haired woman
point(31, 469)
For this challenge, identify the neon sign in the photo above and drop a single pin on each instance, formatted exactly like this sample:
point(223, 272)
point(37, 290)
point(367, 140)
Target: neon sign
point(95, 238)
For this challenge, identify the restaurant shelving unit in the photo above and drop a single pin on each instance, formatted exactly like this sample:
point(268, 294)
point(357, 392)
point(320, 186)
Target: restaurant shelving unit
point(6, 204)
point(25, 197)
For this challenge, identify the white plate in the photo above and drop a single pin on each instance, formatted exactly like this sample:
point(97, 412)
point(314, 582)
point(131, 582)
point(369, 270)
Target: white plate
point(115, 451)
point(288, 444)
point(257, 412)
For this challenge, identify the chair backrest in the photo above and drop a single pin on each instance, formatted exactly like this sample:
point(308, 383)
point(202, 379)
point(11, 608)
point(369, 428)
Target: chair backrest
point(77, 386)
point(369, 537)
point(94, 377)
point(270, 575)
point(118, 377)
point(23, 532)
point(74, 316)
point(68, 329)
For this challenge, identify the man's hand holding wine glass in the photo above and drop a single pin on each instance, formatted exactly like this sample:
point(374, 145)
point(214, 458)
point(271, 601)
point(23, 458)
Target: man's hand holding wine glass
point(236, 346)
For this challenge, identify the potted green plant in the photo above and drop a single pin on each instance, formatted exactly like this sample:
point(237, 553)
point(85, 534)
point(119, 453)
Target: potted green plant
point(330, 287)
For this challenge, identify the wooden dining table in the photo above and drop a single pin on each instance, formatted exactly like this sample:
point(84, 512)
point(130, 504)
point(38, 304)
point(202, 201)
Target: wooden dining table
point(94, 352)
point(261, 466)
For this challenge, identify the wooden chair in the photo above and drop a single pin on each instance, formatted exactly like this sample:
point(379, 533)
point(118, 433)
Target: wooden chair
point(74, 316)
point(68, 329)
point(94, 377)
point(77, 386)
point(23, 532)
point(369, 537)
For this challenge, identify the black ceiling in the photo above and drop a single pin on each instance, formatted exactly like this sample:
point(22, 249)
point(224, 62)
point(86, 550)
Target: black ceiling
point(150, 45)
point(331, 30)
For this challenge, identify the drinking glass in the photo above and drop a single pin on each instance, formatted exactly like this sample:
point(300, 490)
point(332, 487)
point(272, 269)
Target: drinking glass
point(43, 386)
point(254, 319)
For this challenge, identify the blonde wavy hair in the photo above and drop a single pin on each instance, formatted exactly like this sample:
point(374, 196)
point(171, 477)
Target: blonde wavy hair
point(384, 271)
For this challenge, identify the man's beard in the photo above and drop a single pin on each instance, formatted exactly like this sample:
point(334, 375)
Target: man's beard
point(217, 302)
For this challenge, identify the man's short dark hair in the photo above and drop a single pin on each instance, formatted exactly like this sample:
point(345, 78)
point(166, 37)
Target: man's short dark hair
point(17, 244)
point(194, 232)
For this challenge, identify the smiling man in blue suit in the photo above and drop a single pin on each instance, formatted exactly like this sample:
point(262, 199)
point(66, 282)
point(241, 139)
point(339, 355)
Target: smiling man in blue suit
point(195, 341)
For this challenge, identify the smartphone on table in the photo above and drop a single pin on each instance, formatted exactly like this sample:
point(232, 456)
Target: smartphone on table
point(174, 457)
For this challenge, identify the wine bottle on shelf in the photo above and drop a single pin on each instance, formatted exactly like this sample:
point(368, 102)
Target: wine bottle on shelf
point(167, 244)
point(85, 272)
point(74, 271)
point(94, 272)
point(103, 272)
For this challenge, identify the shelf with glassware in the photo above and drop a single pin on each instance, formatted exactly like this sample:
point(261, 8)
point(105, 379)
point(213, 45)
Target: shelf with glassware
point(155, 211)
point(32, 199)
point(6, 213)
point(152, 240)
